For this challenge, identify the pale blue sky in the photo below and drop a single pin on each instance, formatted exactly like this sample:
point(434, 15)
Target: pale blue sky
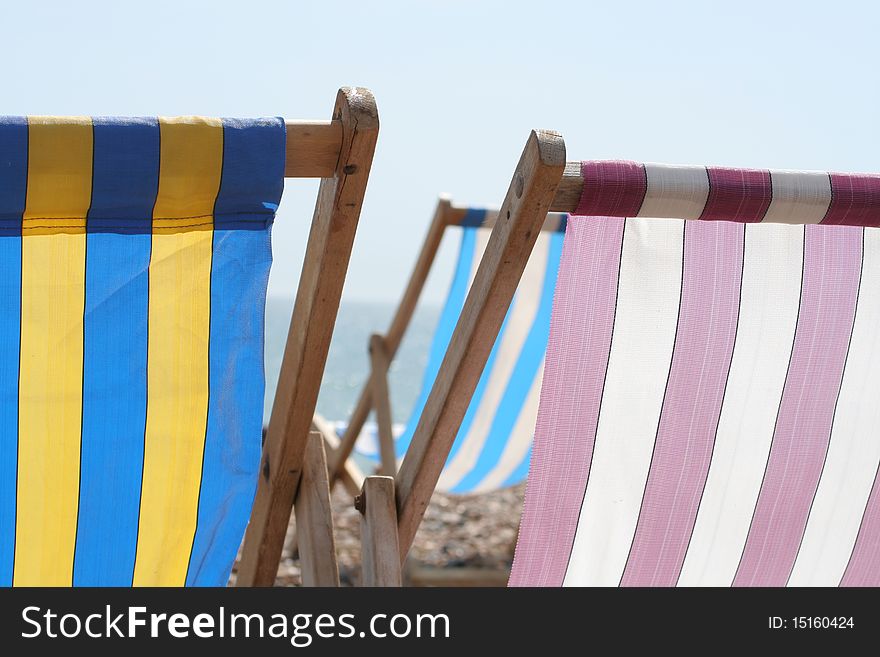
point(459, 84)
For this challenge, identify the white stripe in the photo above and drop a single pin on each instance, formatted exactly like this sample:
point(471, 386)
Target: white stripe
point(522, 315)
point(480, 242)
point(520, 439)
point(770, 291)
point(799, 197)
point(675, 191)
point(854, 450)
point(644, 334)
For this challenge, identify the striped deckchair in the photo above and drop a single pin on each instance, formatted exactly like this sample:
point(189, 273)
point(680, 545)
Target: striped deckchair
point(706, 414)
point(493, 445)
point(134, 257)
point(727, 432)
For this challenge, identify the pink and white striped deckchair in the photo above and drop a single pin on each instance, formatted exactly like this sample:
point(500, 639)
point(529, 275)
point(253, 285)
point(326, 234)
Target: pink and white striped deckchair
point(708, 413)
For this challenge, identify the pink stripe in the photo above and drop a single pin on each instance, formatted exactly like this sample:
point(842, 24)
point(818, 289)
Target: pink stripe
point(574, 376)
point(832, 268)
point(863, 568)
point(855, 200)
point(614, 187)
point(741, 195)
point(706, 332)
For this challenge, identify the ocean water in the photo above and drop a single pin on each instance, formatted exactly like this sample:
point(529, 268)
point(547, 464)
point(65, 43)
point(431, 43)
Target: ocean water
point(348, 361)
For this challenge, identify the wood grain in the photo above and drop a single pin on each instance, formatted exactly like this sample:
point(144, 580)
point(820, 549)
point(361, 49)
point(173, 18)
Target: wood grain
point(380, 562)
point(314, 519)
point(313, 148)
point(568, 195)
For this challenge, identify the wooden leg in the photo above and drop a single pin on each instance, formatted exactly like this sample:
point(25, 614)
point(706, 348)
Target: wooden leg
point(519, 222)
point(308, 340)
point(382, 403)
point(380, 561)
point(314, 519)
point(351, 477)
point(349, 474)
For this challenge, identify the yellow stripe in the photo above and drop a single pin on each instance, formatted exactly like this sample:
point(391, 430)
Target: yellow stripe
point(50, 383)
point(177, 366)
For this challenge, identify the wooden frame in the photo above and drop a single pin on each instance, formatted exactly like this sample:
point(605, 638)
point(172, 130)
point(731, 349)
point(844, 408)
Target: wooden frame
point(340, 152)
point(391, 340)
point(380, 561)
point(383, 348)
point(314, 520)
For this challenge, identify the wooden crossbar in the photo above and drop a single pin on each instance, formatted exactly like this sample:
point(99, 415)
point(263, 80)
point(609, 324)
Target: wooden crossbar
point(313, 148)
point(568, 194)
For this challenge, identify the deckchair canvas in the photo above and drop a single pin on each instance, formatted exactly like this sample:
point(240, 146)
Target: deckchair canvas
point(493, 444)
point(707, 414)
point(135, 255)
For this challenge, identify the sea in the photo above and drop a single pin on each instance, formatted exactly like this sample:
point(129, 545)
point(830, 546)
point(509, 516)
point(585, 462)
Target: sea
point(348, 360)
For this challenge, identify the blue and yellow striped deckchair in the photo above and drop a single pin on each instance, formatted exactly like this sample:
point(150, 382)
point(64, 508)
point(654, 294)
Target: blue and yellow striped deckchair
point(134, 257)
point(492, 446)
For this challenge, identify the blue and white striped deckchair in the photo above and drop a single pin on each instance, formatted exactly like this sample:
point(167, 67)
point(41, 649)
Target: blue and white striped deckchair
point(134, 257)
point(493, 445)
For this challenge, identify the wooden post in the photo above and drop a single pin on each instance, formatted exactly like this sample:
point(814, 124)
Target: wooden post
point(380, 563)
point(522, 214)
point(314, 314)
point(394, 335)
point(379, 364)
point(350, 475)
point(314, 519)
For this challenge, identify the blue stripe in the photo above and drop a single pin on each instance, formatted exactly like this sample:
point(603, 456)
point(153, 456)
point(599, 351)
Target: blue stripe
point(563, 224)
point(473, 218)
point(124, 185)
point(13, 189)
point(443, 333)
point(250, 190)
point(523, 376)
